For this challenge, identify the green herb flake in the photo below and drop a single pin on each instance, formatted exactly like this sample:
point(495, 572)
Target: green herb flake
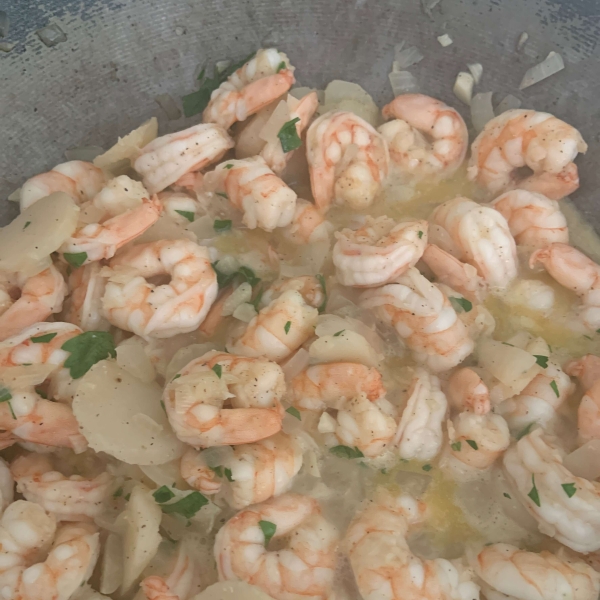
point(43, 339)
point(223, 195)
point(460, 304)
point(338, 333)
point(75, 259)
point(26, 225)
point(228, 474)
point(218, 369)
point(569, 489)
point(534, 494)
point(456, 446)
point(427, 468)
point(346, 452)
point(507, 344)
point(40, 392)
point(86, 350)
point(229, 166)
point(118, 493)
point(473, 444)
point(383, 471)
point(176, 377)
point(288, 136)
point(128, 496)
point(281, 66)
point(541, 360)
point(5, 395)
point(257, 299)
point(222, 225)
point(248, 274)
point(507, 495)
point(187, 214)
point(292, 410)
point(162, 405)
point(287, 326)
point(187, 506)
point(268, 530)
point(321, 281)
point(587, 337)
point(218, 471)
point(525, 431)
point(163, 494)
point(420, 234)
point(555, 388)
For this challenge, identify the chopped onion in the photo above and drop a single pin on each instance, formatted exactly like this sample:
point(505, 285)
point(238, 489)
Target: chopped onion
point(482, 110)
point(4, 23)
point(552, 64)
point(132, 357)
point(7, 46)
point(245, 313)
point(347, 346)
point(241, 295)
point(166, 102)
point(326, 424)
point(86, 153)
point(463, 87)
point(407, 57)
point(445, 40)
point(349, 96)
point(585, 461)
point(111, 571)
point(15, 196)
point(203, 228)
point(248, 142)
point(232, 590)
point(300, 92)
point(185, 355)
point(296, 364)
point(51, 35)
point(403, 82)
point(20, 377)
point(221, 65)
point(228, 264)
point(165, 228)
point(167, 474)
point(280, 116)
point(509, 102)
point(522, 40)
point(476, 70)
point(331, 324)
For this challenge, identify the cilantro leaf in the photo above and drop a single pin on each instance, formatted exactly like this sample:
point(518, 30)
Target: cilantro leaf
point(525, 430)
point(248, 274)
point(473, 444)
point(268, 530)
point(223, 195)
point(187, 214)
point(118, 493)
point(534, 494)
point(223, 280)
point(218, 369)
point(338, 333)
point(287, 326)
point(507, 495)
point(229, 166)
point(321, 280)
point(26, 225)
point(187, 506)
point(292, 410)
point(220, 226)
point(456, 446)
point(75, 259)
point(6, 396)
point(163, 494)
point(541, 360)
point(228, 474)
point(569, 489)
point(257, 299)
point(43, 339)
point(288, 136)
point(555, 388)
point(281, 66)
point(420, 234)
point(460, 304)
point(427, 467)
point(346, 452)
point(86, 350)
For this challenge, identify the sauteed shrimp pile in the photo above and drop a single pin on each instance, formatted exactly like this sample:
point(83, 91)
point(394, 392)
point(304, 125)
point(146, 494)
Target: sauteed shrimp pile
point(305, 349)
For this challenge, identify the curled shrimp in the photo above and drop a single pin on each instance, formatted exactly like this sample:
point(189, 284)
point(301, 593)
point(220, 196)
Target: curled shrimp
point(587, 370)
point(533, 219)
point(303, 569)
point(308, 225)
point(348, 160)
point(7, 486)
point(71, 498)
point(378, 252)
point(40, 296)
point(466, 391)
point(166, 159)
point(482, 236)
point(79, 179)
point(384, 566)
point(427, 139)
point(423, 316)
point(565, 507)
point(252, 473)
point(507, 571)
point(194, 400)
point(527, 138)
point(278, 330)
point(132, 303)
point(264, 78)
point(308, 286)
point(84, 305)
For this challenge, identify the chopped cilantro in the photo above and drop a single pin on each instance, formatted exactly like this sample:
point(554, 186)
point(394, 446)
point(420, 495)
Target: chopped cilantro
point(460, 304)
point(187, 214)
point(541, 360)
point(43, 339)
point(86, 350)
point(534, 494)
point(346, 452)
point(220, 226)
point(287, 326)
point(268, 530)
point(288, 136)
point(75, 259)
point(292, 410)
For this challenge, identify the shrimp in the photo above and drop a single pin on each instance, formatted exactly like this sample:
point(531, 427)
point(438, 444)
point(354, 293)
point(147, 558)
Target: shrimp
point(308, 286)
point(533, 219)
point(378, 252)
point(194, 400)
point(132, 303)
point(7, 486)
point(466, 391)
point(302, 110)
point(527, 138)
point(419, 433)
point(423, 316)
point(308, 225)
point(79, 179)
point(575, 271)
point(118, 195)
point(483, 238)
point(278, 330)
point(427, 139)
point(508, 572)
point(384, 566)
point(258, 82)
point(178, 204)
point(303, 569)
point(587, 369)
point(330, 385)
point(84, 306)
point(96, 241)
point(565, 507)
point(156, 588)
point(165, 159)
point(67, 498)
point(41, 296)
point(348, 160)
point(253, 473)
point(460, 276)
point(266, 201)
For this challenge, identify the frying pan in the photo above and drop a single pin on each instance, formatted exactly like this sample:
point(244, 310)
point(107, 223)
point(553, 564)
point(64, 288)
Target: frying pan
point(119, 55)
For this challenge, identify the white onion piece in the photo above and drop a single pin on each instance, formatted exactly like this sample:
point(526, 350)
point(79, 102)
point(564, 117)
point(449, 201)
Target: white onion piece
point(296, 364)
point(228, 264)
point(86, 153)
point(248, 143)
point(280, 116)
point(445, 40)
point(348, 346)
point(482, 110)
point(463, 87)
point(185, 355)
point(331, 324)
point(522, 40)
point(403, 82)
point(166, 102)
point(326, 424)
point(245, 313)
point(20, 377)
point(165, 228)
point(552, 64)
point(300, 92)
point(132, 357)
point(585, 461)
point(349, 96)
point(407, 57)
point(167, 474)
point(111, 571)
point(15, 196)
point(221, 65)
point(215, 456)
point(85, 592)
point(476, 69)
point(232, 590)
point(241, 294)
point(508, 103)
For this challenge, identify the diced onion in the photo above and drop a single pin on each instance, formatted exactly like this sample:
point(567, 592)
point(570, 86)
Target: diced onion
point(585, 461)
point(348, 346)
point(403, 82)
point(463, 87)
point(280, 116)
point(300, 92)
point(132, 357)
point(228, 265)
point(245, 313)
point(166, 102)
point(482, 110)
point(349, 96)
point(232, 590)
point(552, 64)
point(508, 103)
point(522, 40)
point(331, 324)
point(326, 424)
point(166, 474)
point(242, 294)
point(185, 355)
point(221, 65)
point(407, 57)
point(296, 364)
point(476, 69)
point(202, 227)
point(20, 377)
point(86, 153)
point(165, 228)
point(111, 572)
point(15, 196)
point(445, 40)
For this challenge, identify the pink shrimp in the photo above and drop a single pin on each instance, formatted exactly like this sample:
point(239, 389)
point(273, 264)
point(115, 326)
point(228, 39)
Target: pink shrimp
point(467, 392)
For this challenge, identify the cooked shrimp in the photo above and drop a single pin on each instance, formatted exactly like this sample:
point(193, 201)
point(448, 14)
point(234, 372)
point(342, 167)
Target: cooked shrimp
point(7, 486)
point(308, 286)
point(84, 306)
point(575, 271)
point(458, 275)
point(587, 369)
point(419, 434)
point(256, 472)
point(264, 78)
point(483, 238)
point(527, 138)
point(118, 195)
point(96, 241)
point(533, 219)
point(176, 203)
point(132, 303)
point(566, 507)
point(195, 398)
point(278, 330)
point(423, 316)
point(427, 139)
point(79, 179)
point(67, 498)
point(266, 201)
point(302, 109)
point(348, 160)
point(303, 569)
point(466, 391)
point(330, 385)
point(384, 566)
point(378, 252)
point(41, 295)
point(308, 225)
point(156, 588)
point(164, 160)
point(508, 572)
